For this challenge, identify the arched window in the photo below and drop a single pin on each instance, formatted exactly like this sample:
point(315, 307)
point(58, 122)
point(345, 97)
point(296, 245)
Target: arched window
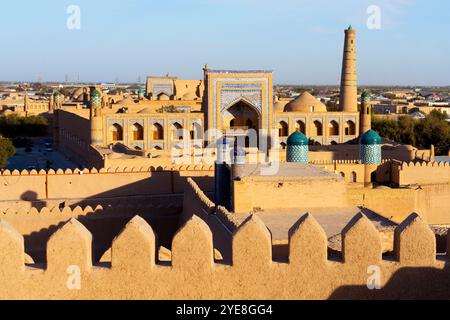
point(350, 128)
point(318, 129)
point(232, 123)
point(158, 132)
point(283, 129)
point(301, 127)
point(138, 132)
point(117, 132)
point(354, 176)
point(177, 131)
point(333, 128)
point(196, 131)
point(342, 174)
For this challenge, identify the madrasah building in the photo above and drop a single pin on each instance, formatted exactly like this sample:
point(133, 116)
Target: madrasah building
point(94, 126)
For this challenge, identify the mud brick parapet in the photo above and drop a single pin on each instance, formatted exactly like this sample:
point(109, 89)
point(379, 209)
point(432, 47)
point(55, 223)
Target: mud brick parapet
point(422, 173)
point(104, 183)
point(192, 273)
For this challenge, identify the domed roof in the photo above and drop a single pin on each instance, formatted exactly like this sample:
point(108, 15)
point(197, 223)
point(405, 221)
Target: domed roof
point(405, 147)
point(127, 101)
point(189, 96)
point(77, 93)
point(297, 139)
point(279, 105)
point(96, 93)
point(370, 138)
point(365, 96)
point(306, 102)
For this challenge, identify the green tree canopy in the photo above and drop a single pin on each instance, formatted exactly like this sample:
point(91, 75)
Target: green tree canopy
point(422, 133)
point(13, 126)
point(6, 150)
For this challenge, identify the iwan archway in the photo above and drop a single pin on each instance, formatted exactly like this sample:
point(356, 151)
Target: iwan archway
point(242, 119)
point(237, 98)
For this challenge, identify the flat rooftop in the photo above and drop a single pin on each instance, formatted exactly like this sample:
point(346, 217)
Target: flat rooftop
point(332, 220)
point(287, 170)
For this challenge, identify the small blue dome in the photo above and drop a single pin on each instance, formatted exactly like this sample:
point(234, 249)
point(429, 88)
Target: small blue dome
point(297, 139)
point(370, 138)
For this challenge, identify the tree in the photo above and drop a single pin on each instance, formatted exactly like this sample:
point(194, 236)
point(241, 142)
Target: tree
point(13, 126)
point(433, 130)
point(6, 150)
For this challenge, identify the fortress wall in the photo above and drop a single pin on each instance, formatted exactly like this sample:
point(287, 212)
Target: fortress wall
point(351, 153)
point(394, 204)
point(421, 173)
point(350, 169)
point(21, 186)
point(77, 129)
point(197, 203)
point(134, 273)
point(250, 193)
point(36, 226)
point(433, 201)
point(91, 184)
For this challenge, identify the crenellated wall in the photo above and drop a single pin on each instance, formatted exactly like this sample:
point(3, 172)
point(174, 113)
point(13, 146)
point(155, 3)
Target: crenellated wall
point(134, 272)
point(36, 226)
point(103, 183)
point(421, 173)
point(219, 220)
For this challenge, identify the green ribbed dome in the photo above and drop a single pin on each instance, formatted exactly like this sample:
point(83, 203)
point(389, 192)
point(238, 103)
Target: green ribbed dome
point(96, 93)
point(370, 138)
point(297, 139)
point(141, 91)
point(366, 96)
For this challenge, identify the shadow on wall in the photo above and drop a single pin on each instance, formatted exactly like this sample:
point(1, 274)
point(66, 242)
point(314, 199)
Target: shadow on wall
point(31, 196)
point(406, 283)
point(105, 225)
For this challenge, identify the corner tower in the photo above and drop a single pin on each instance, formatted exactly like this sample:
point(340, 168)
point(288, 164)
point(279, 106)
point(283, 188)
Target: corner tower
point(349, 100)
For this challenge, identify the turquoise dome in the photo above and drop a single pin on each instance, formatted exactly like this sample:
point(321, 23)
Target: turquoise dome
point(297, 139)
point(365, 96)
point(370, 138)
point(96, 93)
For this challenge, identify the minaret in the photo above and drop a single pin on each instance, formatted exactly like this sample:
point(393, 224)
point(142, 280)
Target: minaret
point(349, 100)
point(222, 173)
point(96, 118)
point(365, 121)
point(26, 103)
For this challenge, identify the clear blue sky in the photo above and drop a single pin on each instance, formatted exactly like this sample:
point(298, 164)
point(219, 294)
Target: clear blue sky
point(301, 40)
